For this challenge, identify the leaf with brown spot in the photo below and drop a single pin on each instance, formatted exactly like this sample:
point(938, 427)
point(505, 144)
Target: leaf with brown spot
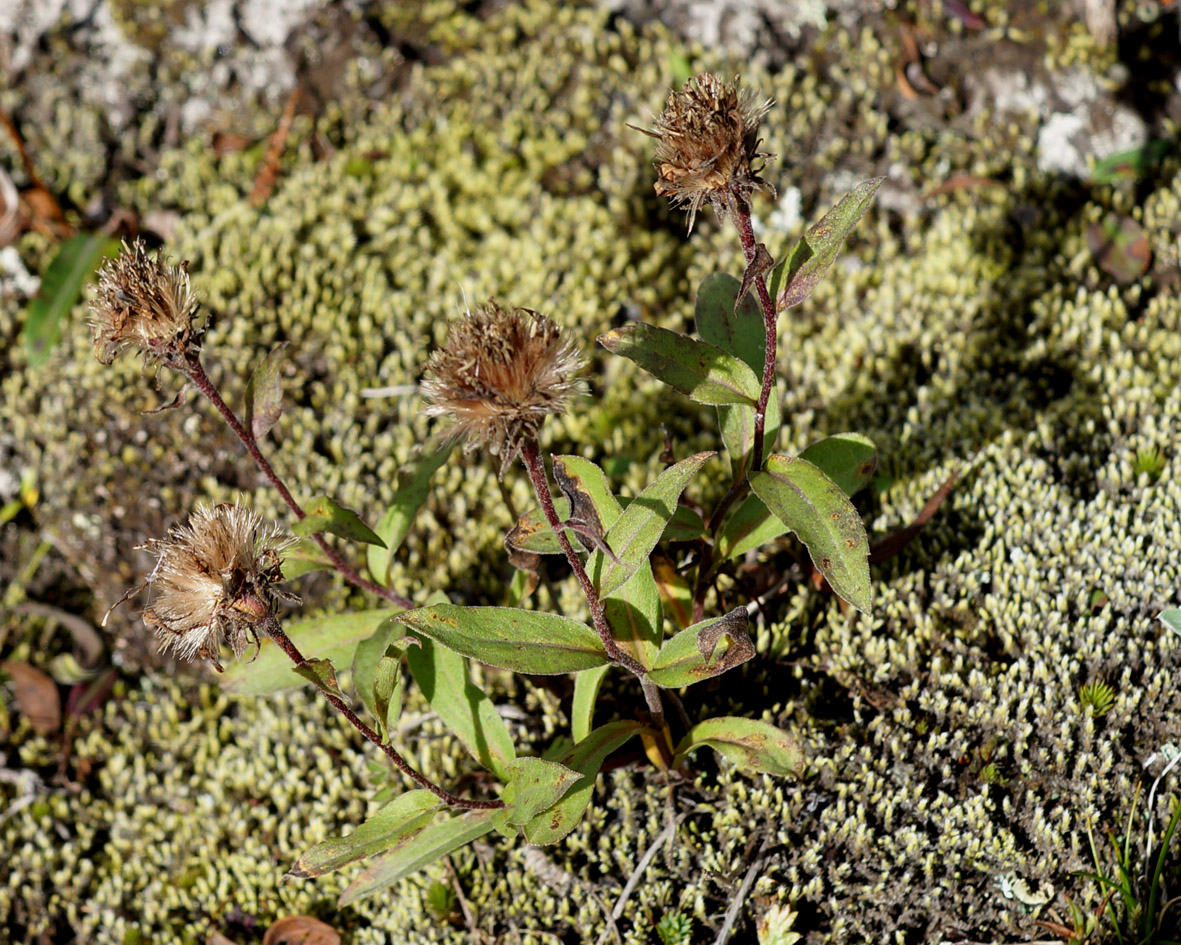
point(37, 698)
point(689, 656)
point(750, 744)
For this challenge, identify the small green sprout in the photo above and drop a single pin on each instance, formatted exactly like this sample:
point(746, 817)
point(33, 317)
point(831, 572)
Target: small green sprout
point(441, 901)
point(1149, 463)
point(675, 928)
point(1098, 697)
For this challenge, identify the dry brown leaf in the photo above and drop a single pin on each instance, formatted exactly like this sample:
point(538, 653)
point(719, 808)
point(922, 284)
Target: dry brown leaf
point(301, 930)
point(36, 695)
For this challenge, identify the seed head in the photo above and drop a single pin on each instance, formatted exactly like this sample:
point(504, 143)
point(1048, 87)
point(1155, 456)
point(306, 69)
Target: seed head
point(709, 146)
point(498, 377)
point(216, 579)
point(144, 303)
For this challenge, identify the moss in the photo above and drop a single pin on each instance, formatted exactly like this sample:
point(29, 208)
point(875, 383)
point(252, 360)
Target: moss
point(967, 331)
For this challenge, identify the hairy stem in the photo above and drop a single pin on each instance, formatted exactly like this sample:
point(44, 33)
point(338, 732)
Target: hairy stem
point(276, 633)
point(536, 469)
point(741, 217)
point(194, 370)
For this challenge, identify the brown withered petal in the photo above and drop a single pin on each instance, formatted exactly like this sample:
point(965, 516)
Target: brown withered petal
point(709, 146)
point(500, 374)
point(215, 580)
point(143, 303)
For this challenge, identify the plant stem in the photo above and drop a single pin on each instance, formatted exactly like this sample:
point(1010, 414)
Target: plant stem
point(741, 217)
point(276, 633)
point(194, 370)
point(536, 469)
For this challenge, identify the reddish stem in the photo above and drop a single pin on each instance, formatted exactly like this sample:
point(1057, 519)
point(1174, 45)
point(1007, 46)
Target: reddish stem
point(194, 370)
point(276, 633)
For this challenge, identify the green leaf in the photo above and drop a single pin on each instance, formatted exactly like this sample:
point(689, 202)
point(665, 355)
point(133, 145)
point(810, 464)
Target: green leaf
point(848, 459)
point(324, 515)
point(586, 758)
point(264, 393)
point(588, 484)
point(812, 256)
point(462, 705)
point(1131, 165)
point(400, 818)
point(586, 694)
point(322, 675)
point(525, 641)
point(414, 479)
point(431, 843)
point(304, 556)
point(685, 525)
point(703, 372)
point(750, 744)
point(633, 613)
point(748, 526)
point(61, 286)
point(742, 333)
point(638, 529)
point(1172, 619)
point(737, 424)
point(534, 785)
point(692, 655)
point(333, 636)
point(377, 674)
point(815, 508)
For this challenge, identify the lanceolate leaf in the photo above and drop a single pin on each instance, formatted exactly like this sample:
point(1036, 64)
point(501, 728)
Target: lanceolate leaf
point(848, 459)
point(638, 529)
point(431, 843)
point(534, 785)
point(264, 393)
point(400, 818)
point(748, 526)
point(814, 507)
point(586, 758)
point(633, 613)
point(582, 707)
point(741, 333)
point(524, 641)
point(794, 279)
point(466, 709)
point(750, 744)
point(705, 649)
point(332, 636)
point(703, 372)
point(414, 480)
point(324, 515)
point(737, 424)
point(588, 484)
point(377, 673)
point(61, 286)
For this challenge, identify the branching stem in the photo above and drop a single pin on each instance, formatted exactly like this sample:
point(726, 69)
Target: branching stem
point(194, 370)
point(276, 633)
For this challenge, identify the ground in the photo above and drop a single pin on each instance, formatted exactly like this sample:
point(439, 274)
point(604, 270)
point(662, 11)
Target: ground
point(977, 324)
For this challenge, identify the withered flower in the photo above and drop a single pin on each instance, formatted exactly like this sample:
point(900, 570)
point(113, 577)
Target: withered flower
point(709, 146)
point(216, 579)
point(143, 303)
point(499, 376)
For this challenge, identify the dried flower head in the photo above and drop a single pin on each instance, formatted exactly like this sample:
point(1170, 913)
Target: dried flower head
point(144, 303)
point(498, 377)
point(216, 579)
point(709, 146)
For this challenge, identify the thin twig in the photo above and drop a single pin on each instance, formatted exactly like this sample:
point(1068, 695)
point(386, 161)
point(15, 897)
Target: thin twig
point(740, 897)
point(638, 873)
